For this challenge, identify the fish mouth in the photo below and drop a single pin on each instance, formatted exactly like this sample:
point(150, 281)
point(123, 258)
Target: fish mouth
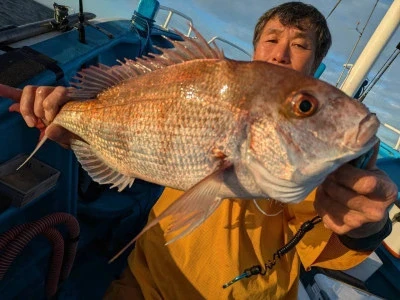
point(364, 136)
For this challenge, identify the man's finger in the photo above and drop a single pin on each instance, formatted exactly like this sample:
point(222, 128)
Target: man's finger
point(54, 101)
point(41, 94)
point(336, 216)
point(371, 207)
point(371, 165)
point(10, 92)
point(60, 135)
point(361, 181)
point(371, 183)
point(14, 108)
point(26, 105)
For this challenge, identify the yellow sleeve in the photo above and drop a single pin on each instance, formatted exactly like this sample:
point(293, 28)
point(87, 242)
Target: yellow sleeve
point(320, 246)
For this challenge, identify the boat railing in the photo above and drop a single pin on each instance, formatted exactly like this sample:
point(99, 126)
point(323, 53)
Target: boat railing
point(170, 13)
point(226, 42)
point(395, 130)
point(167, 14)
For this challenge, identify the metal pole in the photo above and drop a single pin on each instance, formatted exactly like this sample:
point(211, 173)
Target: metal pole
point(81, 27)
point(377, 42)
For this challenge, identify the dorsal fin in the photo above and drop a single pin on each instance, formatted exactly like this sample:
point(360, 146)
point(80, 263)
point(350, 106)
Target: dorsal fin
point(95, 79)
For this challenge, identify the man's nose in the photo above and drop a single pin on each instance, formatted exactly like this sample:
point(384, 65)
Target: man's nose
point(281, 54)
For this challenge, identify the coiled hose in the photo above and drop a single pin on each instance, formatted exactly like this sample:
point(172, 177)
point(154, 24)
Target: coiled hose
point(13, 241)
point(57, 257)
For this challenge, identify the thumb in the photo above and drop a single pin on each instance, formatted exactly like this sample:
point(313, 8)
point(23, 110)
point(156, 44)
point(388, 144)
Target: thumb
point(371, 165)
point(60, 135)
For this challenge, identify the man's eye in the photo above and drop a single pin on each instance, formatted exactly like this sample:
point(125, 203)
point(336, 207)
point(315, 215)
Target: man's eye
point(272, 41)
point(300, 46)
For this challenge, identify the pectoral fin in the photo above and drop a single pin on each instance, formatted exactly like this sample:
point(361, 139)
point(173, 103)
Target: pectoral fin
point(191, 209)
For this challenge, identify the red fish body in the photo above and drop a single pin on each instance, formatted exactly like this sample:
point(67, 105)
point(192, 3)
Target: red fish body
point(216, 128)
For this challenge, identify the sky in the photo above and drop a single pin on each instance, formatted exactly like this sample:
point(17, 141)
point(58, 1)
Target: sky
point(234, 20)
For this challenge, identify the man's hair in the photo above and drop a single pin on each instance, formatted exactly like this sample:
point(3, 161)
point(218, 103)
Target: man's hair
point(302, 16)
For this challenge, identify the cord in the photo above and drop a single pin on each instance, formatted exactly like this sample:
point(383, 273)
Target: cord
point(258, 269)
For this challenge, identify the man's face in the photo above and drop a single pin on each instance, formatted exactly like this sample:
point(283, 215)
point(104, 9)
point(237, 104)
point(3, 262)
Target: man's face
point(288, 47)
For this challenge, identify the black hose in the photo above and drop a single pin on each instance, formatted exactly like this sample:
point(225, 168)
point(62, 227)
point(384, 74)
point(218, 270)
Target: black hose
point(56, 261)
point(15, 240)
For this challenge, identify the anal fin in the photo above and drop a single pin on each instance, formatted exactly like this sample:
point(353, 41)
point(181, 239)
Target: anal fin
point(97, 169)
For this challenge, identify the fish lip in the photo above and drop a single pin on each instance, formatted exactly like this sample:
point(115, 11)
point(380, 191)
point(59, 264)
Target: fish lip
point(365, 147)
point(365, 137)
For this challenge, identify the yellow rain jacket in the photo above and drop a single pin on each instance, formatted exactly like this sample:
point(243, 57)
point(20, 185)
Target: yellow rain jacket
point(235, 237)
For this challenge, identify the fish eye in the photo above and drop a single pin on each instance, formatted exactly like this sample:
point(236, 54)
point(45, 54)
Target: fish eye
point(304, 104)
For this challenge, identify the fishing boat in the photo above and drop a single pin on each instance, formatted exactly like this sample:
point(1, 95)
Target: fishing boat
point(58, 228)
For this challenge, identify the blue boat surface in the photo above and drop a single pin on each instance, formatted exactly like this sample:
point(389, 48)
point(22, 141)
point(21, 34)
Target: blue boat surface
point(51, 53)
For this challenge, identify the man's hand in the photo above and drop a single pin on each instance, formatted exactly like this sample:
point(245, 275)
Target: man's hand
point(39, 106)
point(354, 201)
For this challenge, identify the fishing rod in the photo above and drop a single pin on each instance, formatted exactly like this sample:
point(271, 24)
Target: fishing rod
point(333, 9)
point(360, 34)
point(381, 71)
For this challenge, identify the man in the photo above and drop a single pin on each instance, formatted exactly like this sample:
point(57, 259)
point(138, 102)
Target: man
point(351, 202)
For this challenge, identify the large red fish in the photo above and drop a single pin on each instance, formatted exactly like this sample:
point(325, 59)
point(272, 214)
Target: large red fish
point(217, 128)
